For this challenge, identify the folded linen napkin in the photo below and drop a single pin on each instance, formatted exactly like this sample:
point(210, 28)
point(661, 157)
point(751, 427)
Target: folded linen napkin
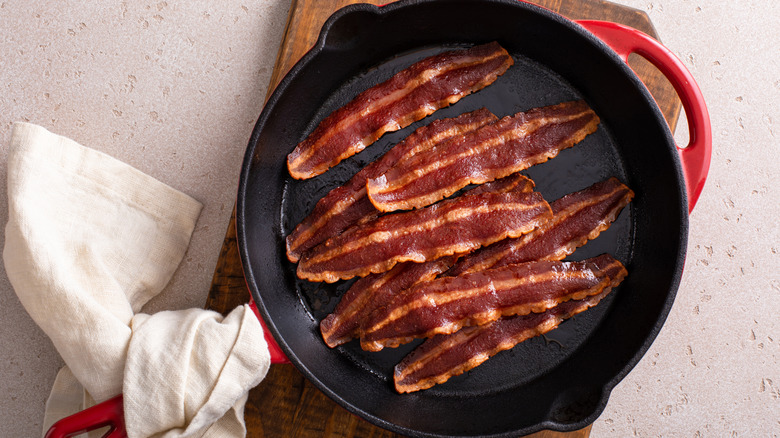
point(89, 240)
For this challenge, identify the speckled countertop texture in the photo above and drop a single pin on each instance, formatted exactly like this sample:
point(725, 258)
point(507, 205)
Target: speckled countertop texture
point(174, 88)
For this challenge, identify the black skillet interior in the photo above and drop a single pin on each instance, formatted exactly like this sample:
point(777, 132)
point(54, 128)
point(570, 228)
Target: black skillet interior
point(561, 381)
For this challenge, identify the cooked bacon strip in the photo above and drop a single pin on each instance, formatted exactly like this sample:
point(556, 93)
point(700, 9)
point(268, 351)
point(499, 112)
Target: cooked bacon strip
point(577, 218)
point(445, 305)
point(494, 151)
point(410, 95)
point(444, 356)
point(372, 292)
point(348, 204)
point(377, 290)
point(454, 226)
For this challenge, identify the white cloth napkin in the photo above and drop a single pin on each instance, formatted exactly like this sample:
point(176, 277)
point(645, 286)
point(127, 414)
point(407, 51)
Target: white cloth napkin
point(89, 241)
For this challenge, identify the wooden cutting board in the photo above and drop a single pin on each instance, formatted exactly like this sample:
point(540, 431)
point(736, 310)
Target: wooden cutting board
point(285, 404)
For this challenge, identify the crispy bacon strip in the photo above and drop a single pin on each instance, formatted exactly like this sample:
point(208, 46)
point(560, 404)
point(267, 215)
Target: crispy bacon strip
point(348, 204)
point(494, 151)
point(454, 226)
point(577, 218)
point(372, 292)
point(445, 305)
point(410, 95)
point(444, 356)
point(377, 290)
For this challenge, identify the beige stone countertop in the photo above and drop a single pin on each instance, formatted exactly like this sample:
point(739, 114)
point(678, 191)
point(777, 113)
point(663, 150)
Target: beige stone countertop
point(174, 89)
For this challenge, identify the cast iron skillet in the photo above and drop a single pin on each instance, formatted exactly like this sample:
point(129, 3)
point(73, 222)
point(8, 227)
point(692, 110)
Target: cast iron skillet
point(562, 385)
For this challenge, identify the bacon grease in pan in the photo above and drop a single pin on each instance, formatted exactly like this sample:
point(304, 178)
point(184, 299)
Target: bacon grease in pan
point(577, 218)
point(348, 204)
point(453, 226)
point(377, 290)
point(444, 356)
point(447, 304)
point(510, 145)
point(410, 95)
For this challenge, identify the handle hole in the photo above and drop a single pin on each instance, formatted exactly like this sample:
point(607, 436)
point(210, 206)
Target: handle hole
point(662, 91)
point(682, 135)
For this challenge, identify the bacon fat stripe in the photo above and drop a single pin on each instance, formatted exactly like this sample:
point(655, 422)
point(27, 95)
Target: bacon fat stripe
point(348, 204)
point(516, 182)
point(444, 356)
point(577, 218)
point(445, 305)
point(454, 226)
point(377, 290)
point(494, 151)
point(410, 95)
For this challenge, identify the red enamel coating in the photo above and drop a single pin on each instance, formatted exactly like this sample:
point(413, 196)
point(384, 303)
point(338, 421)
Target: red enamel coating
point(695, 158)
point(108, 413)
point(277, 355)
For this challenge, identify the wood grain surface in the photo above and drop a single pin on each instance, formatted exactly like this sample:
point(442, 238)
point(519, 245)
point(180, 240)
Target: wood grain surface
point(285, 404)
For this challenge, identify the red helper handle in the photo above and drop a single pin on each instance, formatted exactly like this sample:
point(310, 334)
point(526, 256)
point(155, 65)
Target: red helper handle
point(695, 158)
point(111, 412)
point(108, 413)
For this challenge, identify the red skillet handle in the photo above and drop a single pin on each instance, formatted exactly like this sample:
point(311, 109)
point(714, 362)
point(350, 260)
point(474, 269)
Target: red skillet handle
point(277, 355)
point(695, 158)
point(107, 413)
point(111, 413)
